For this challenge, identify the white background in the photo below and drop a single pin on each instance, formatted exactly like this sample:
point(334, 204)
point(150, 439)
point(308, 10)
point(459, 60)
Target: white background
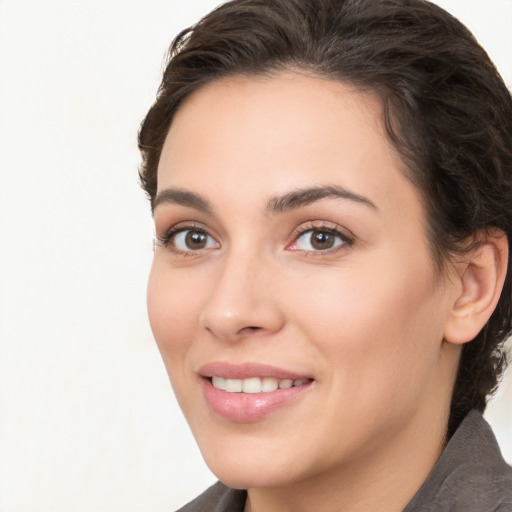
point(87, 418)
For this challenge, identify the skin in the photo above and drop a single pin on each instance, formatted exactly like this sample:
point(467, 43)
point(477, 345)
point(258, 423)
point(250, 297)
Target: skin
point(368, 319)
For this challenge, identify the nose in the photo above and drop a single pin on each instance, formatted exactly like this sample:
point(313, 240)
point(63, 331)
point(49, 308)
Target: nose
point(243, 301)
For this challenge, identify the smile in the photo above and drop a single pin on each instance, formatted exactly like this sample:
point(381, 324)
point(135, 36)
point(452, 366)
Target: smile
point(255, 384)
point(249, 392)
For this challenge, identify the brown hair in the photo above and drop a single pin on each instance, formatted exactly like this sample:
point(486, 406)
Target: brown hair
point(447, 112)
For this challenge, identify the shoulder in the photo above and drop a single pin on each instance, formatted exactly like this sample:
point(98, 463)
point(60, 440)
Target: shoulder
point(471, 474)
point(217, 498)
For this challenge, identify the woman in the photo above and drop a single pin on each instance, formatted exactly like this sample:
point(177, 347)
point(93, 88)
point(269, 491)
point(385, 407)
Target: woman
point(332, 195)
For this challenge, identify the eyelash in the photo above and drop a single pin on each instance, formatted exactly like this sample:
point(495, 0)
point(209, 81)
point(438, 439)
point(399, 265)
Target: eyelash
point(347, 240)
point(312, 227)
point(167, 238)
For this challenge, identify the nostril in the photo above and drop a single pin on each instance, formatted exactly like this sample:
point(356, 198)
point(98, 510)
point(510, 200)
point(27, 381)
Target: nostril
point(252, 328)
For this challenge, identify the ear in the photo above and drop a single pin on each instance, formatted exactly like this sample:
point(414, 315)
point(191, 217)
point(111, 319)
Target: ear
point(480, 280)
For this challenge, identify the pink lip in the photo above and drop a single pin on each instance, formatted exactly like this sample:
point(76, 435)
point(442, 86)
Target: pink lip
point(247, 370)
point(248, 407)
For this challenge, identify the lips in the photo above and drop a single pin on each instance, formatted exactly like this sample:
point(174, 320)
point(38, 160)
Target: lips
point(249, 392)
point(247, 370)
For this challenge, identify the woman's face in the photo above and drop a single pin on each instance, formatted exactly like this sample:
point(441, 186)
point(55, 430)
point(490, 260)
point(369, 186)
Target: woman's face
point(292, 252)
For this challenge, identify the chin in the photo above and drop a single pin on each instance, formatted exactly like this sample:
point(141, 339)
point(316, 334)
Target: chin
point(245, 475)
point(249, 462)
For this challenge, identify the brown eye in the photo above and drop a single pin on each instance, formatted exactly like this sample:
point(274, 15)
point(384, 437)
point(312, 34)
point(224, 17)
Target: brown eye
point(319, 240)
point(193, 240)
point(196, 240)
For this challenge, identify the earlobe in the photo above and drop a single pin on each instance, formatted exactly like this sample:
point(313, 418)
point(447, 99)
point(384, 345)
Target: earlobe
point(481, 279)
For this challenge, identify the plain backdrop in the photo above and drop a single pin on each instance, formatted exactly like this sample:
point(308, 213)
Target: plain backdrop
point(87, 418)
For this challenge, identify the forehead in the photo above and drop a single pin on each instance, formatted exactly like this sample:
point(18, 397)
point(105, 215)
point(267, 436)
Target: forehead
point(261, 136)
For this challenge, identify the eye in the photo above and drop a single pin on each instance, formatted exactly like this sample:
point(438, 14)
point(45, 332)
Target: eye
point(193, 240)
point(319, 239)
point(189, 240)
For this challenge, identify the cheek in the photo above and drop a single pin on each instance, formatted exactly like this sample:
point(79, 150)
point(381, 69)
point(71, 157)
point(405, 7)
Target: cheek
point(378, 342)
point(173, 311)
point(373, 321)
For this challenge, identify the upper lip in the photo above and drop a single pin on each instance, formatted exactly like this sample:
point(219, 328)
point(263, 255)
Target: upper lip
point(247, 370)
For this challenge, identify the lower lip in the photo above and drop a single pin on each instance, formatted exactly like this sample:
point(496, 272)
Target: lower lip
point(249, 407)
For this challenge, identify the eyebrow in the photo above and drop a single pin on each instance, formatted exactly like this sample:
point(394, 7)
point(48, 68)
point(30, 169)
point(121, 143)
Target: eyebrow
point(183, 198)
point(304, 197)
point(278, 204)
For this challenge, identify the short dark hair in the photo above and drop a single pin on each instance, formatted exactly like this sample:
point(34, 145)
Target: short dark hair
point(446, 110)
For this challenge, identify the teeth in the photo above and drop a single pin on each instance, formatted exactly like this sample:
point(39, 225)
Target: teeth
point(286, 383)
point(251, 385)
point(254, 384)
point(219, 383)
point(269, 384)
point(233, 385)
